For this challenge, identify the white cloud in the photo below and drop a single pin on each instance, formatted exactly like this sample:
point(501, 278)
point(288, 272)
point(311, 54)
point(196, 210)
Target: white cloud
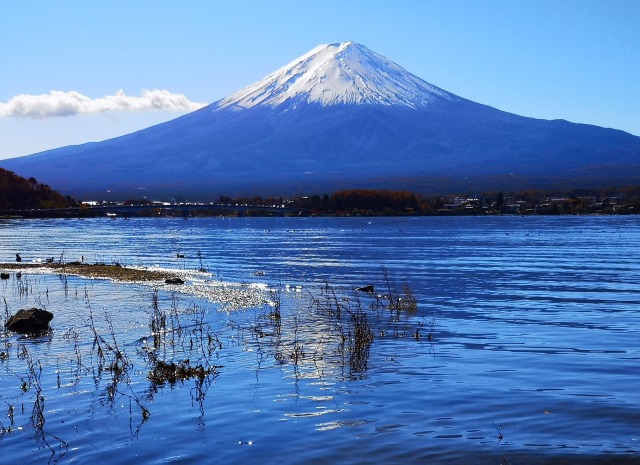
point(58, 103)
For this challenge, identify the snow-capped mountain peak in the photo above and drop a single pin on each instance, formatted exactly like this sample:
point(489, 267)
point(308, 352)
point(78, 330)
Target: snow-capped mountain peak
point(339, 73)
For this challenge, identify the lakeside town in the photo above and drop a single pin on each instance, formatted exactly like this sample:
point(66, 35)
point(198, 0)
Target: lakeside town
point(366, 202)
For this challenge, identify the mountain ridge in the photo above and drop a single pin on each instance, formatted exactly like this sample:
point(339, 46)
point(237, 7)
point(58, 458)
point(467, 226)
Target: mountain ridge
point(285, 135)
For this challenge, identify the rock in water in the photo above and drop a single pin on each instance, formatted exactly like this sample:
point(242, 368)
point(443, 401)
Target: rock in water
point(369, 289)
point(31, 320)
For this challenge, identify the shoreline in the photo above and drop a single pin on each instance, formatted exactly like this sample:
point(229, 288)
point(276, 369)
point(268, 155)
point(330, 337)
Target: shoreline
point(229, 296)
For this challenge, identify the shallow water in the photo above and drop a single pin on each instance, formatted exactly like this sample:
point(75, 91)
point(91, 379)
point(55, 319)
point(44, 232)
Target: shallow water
point(533, 355)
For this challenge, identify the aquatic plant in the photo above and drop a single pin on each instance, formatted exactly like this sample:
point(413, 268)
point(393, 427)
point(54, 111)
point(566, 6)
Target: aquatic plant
point(202, 268)
point(398, 301)
point(65, 283)
point(30, 381)
point(171, 342)
point(330, 329)
point(350, 322)
point(182, 370)
point(113, 360)
point(360, 340)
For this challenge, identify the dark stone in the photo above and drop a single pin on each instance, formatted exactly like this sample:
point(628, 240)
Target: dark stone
point(4, 275)
point(174, 281)
point(31, 320)
point(368, 289)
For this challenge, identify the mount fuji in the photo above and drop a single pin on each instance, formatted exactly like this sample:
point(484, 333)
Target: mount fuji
point(340, 116)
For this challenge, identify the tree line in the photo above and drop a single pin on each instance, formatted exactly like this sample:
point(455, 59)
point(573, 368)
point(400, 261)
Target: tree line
point(375, 202)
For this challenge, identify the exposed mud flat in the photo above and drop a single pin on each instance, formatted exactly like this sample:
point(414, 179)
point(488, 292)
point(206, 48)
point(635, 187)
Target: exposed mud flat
point(231, 296)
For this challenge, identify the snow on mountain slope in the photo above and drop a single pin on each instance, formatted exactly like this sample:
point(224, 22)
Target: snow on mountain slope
point(344, 73)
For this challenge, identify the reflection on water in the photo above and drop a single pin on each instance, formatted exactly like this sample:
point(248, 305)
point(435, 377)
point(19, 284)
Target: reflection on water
point(516, 341)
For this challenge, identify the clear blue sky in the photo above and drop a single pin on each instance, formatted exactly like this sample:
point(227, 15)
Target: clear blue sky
point(572, 59)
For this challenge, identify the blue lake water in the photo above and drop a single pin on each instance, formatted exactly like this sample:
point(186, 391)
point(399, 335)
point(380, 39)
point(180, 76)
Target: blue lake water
point(525, 346)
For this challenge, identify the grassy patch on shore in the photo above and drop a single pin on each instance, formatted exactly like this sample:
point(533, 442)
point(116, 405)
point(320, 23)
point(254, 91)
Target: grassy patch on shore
point(86, 270)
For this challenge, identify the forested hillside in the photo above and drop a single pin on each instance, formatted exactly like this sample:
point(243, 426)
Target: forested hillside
point(18, 193)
